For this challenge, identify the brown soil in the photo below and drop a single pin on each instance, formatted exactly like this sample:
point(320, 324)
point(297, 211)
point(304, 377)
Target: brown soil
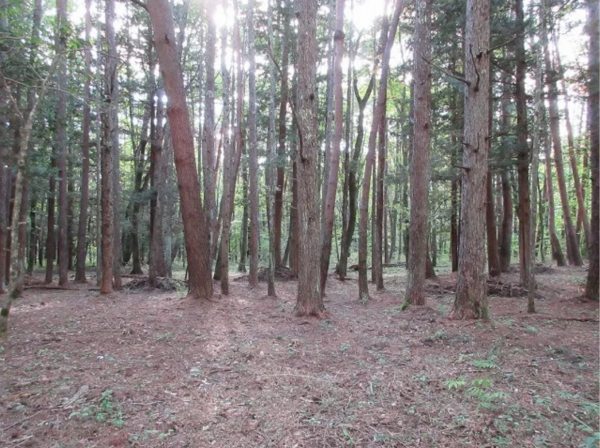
point(145, 369)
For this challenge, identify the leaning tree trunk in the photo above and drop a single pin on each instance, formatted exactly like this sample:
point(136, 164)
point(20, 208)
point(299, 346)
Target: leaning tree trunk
point(591, 289)
point(471, 288)
point(388, 41)
point(309, 301)
point(419, 162)
point(195, 225)
point(573, 253)
point(334, 159)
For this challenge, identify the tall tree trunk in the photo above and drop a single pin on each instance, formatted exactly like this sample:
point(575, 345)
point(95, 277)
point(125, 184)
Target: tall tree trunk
point(523, 156)
point(295, 222)
point(591, 289)
point(581, 210)
point(471, 288)
point(334, 162)
point(490, 219)
point(283, 104)
point(85, 153)
point(378, 208)
point(222, 264)
point(309, 301)
point(419, 162)
point(245, 217)
point(350, 224)
point(253, 160)
point(208, 134)
point(573, 253)
point(61, 143)
point(387, 42)
point(195, 225)
point(4, 207)
point(33, 237)
point(505, 246)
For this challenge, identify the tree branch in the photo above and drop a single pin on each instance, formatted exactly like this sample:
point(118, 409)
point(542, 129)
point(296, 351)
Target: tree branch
point(139, 3)
point(446, 72)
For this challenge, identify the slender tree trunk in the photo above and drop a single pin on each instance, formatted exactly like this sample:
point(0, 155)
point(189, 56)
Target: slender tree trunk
point(309, 301)
point(61, 143)
point(471, 289)
point(378, 208)
point(278, 213)
point(506, 226)
point(253, 159)
point(573, 253)
point(419, 162)
point(195, 225)
point(208, 134)
point(490, 218)
point(334, 162)
point(226, 201)
point(523, 155)
point(85, 153)
point(51, 234)
point(32, 237)
point(4, 207)
point(387, 43)
point(591, 289)
point(295, 223)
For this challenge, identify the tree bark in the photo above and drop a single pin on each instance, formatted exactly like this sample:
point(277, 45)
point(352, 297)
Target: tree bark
point(309, 301)
point(471, 289)
point(388, 41)
point(591, 289)
point(253, 153)
point(61, 142)
point(490, 219)
point(334, 160)
point(195, 225)
point(419, 162)
point(573, 253)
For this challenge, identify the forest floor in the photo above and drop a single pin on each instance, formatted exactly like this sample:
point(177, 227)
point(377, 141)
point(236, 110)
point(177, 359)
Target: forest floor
point(144, 368)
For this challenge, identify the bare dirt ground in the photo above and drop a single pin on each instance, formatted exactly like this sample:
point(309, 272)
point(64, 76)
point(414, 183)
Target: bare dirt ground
point(144, 368)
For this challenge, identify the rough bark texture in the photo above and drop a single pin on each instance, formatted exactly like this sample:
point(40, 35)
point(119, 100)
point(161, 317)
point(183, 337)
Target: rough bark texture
point(573, 253)
point(591, 290)
point(61, 142)
point(388, 41)
point(490, 226)
point(309, 301)
point(253, 153)
point(505, 245)
point(334, 160)
point(50, 233)
point(208, 134)
point(85, 154)
point(195, 224)
point(283, 93)
point(524, 205)
point(557, 253)
point(419, 161)
point(471, 289)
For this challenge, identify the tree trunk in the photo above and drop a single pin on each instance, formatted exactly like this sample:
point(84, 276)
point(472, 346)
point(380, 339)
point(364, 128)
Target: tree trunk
point(4, 207)
point(490, 219)
point(524, 206)
point(419, 162)
point(505, 247)
point(85, 154)
point(253, 153)
point(208, 134)
point(278, 213)
point(50, 235)
point(334, 161)
point(573, 253)
point(195, 225)
point(471, 288)
point(378, 208)
point(245, 217)
point(309, 301)
point(591, 289)
point(61, 143)
point(387, 42)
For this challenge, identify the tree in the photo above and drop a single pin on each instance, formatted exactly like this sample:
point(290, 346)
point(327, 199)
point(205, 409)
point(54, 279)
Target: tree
point(419, 162)
point(85, 151)
point(253, 153)
point(334, 160)
point(387, 41)
point(591, 289)
point(471, 289)
point(309, 301)
point(195, 225)
point(61, 141)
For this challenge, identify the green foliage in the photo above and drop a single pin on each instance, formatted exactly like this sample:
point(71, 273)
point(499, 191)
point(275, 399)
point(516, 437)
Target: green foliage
point(103, 412)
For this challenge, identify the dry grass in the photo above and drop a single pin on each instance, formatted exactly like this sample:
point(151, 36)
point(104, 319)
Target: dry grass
point(146, 369)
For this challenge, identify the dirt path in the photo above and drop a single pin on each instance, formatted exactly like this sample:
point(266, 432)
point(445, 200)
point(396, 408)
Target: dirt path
point(147, 369)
